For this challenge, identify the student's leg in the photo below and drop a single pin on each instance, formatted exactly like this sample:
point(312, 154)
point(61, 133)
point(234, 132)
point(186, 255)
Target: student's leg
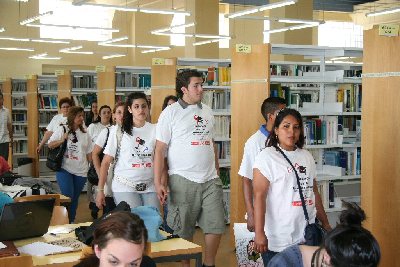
point(4, 148)
point(151, 199)
point(212, 219)
point(65, 182)
point(78, 184)
point(133, 199)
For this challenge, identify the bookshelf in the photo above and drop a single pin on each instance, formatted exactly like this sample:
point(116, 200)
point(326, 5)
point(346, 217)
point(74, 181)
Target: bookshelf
point(106, 87)
point(47, 103)
point(84, 88)
point(329, 96)
point(6, 89)
point(130, 79)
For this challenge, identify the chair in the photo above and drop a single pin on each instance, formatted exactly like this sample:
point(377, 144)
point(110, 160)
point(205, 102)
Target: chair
point(60, 213)
point(39, 197)
point(23, 260)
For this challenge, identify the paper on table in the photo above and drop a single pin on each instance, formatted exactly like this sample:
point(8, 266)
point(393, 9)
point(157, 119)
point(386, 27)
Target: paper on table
point(2, 245)
point(42, 249)
point(62, 230)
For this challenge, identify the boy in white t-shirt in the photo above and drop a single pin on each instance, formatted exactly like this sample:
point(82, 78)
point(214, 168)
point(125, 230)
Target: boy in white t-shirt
point(187, 128)
point(253, 146)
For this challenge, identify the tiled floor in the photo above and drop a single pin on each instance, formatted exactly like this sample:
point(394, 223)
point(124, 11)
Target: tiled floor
point(225, 257)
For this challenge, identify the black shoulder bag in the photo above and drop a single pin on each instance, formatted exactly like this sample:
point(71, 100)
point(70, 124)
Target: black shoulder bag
point(55, 156)
point(314, 233)
point(92, 176)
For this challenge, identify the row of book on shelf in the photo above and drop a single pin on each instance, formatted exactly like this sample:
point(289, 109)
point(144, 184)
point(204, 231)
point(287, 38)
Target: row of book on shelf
point(48, 86)
point(19, 130)
point(309, 70)
point(222, 127)
point(223, 150)
point(217, 99)
point(128, 79)
point(19, 116)
point(297, 94)
point(84, 81)
point(20, 146)
point(84, 101)
point(19, 86)
point(18, 101)
point(217, 76)
point(348, 159)
point(47, 101)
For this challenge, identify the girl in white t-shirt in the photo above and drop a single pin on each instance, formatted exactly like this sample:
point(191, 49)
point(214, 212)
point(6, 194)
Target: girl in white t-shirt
point(97, 153)
point(133, 180)
point(72, 176)
point(104, 120)
point(64, 104)
point(278, 213)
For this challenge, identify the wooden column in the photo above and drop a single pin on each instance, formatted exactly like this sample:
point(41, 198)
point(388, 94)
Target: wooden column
point(380, 156)
point(163, 75)
point(33, 122)
point(106, 87)
point(250, 86)
point(64, 85)
point(7, 87)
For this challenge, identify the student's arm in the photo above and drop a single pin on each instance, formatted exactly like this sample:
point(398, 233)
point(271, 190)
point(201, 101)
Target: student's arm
point(57, 143)
point(260, 189)
point(45, 138)
point(159, 168)
point(105, 165)
point(164, 176)
point(216, 157)
point(321, 215)
point(248, 200)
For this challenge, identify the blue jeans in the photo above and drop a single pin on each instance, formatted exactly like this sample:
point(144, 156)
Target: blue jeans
point(71, 185)
point(267, 256)
point(137, 199)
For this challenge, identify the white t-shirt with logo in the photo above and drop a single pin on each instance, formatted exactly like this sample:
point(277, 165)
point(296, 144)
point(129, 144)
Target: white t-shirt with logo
point(101, 138)
point(135, 159)
point(252, 147)
point(94, 130)
point(55, 122)
point(284, 217)
point(188, 132)
point(75, 160)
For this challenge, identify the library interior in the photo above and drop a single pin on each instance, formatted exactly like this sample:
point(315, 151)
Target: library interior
point(331, 62)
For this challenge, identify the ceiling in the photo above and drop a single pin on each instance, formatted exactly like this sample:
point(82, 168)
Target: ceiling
point(325, 5)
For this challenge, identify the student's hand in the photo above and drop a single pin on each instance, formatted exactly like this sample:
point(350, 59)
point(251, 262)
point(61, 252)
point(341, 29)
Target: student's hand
point(39, 147)
point(327, 227)
point(161, 193)
point(100, 199)
point(261, 243)
point(250, 222)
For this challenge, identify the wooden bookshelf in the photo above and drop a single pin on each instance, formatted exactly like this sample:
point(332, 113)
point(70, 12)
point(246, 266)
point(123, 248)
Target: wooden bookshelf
point(106, 87)
point(163, 77)
point(33, 122)
point(250, 86)
point(380, 149)
point(64, 85)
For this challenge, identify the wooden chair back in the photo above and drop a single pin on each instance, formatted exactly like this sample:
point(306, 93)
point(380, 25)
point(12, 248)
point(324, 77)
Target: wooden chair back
point(22, 260)
point(60, 216)
point(39, 197)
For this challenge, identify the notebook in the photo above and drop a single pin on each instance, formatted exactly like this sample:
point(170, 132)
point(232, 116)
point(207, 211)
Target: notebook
point(21, 220)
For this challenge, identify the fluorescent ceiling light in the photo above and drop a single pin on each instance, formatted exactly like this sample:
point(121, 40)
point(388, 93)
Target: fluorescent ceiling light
point(260, 8)
point(14, 39)
point(299, 27)
point(383, 12)
point(207, 36)
point(38, 25)
point(173, 34)
point(44, 56)
point(114, 56)
point(173, 27)
point(341, 58)
point(35, 18)
point(72, 50)
point(299, 21)
point(114, 7)
point(52, 41)
point(206, 42)
point(155, 50)
point(2, 29)
point(212, 36)
point(17, 49)
point(24, 1)
point(162, 11)
point(111, 42)
point(119, 45)
point(292, 28)
point(277, 30)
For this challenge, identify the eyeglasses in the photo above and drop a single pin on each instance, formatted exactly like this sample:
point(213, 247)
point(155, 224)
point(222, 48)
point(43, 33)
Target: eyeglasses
point(75, 138)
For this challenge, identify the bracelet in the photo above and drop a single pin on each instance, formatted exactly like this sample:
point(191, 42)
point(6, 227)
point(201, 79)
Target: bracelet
point(100, 189)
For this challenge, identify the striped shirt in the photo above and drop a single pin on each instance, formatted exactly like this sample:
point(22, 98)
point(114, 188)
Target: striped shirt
point(5, 118)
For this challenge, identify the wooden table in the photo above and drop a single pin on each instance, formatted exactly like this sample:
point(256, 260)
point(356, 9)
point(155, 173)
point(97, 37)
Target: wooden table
point(164, 251)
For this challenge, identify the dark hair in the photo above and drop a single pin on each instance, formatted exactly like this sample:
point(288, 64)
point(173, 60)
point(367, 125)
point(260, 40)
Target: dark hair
point(349, 244)
point(183, 80)
point(99, 118)
point(167, 99)
point(123, 225)
point(273, 139)
point(127, 121)
point(65, 100)
point(117, 105)
point(1, 94)
point(270, 105)
point(72, 113)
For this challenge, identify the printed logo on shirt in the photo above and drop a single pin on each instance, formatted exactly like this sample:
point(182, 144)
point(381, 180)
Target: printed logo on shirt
point(200, 132)
point(305, 183)
point(142, 154)
point(140, 143)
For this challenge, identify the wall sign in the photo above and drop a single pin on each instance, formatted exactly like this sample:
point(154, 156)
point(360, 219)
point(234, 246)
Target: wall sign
point(389, 30)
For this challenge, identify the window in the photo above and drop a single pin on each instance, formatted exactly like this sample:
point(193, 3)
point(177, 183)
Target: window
point(223, 30)
point(267, 26)
point(340, 34)
point(178, 40)
point(67, 14)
